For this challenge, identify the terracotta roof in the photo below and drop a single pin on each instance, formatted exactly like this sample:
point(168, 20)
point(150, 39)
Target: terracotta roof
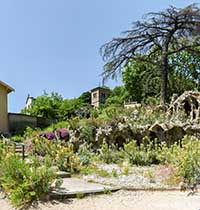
point(9, 89)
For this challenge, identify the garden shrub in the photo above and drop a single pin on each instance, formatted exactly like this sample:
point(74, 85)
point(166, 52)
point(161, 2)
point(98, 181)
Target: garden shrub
point(62, 154)
point(109, 153)
point(186, 160)
point(41, 146)
point(24, 183)
point(17, 138)
point(85, 154)
point(183, 156)
point(61, 124)
point(3, 150)
point(67, 160)
point(143, 154)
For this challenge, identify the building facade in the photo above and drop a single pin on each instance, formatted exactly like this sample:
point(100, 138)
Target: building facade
point(99, 96)
point(4, 91)
point(29, 101)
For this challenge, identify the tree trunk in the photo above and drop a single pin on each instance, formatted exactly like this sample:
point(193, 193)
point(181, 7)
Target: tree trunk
point(164, 78)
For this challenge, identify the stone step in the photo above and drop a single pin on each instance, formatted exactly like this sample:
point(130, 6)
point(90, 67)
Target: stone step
point(18, 150)
point(74, 188)
point(17, 147)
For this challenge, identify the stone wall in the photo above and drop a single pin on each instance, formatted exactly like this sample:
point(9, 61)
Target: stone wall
point(19, 122)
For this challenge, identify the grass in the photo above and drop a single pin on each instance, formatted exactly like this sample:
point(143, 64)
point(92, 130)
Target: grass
point(94, 170)
point(114, 173)
point(125, 171)
point(80, 195)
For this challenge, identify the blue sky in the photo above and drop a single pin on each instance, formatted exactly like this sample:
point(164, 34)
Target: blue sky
point(53, 45)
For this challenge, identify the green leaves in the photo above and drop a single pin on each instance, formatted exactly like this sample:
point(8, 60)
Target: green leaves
point(55, 107)
point(25, 183)
point(141, 80)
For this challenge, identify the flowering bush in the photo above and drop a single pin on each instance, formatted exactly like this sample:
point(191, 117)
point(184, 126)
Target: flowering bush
point(66, 160)
point(62, 133)
point(49, 135)
point(62, 154)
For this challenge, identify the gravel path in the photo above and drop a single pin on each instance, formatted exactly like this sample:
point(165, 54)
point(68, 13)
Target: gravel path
point(144, 177)
point(124, 200)
point(138, 177)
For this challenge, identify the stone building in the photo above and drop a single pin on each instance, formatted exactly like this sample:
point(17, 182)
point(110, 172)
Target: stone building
point(29, 101)
point(4, 91)
point(99, 96)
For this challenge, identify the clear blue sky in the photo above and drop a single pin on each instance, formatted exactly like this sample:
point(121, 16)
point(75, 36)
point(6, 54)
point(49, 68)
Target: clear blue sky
point(53, 45)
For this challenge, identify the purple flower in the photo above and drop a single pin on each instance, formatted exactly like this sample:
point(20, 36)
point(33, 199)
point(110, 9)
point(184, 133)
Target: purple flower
point(49, 135)
point(63, 133)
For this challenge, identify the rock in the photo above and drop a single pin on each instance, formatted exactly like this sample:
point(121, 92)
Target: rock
point(157, 131)
point(185, 106)
point(167, 132)
point(174, 134)
point(193, 130)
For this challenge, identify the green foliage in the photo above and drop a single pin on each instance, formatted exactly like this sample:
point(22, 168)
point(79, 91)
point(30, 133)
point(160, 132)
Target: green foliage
point(186, 160)
point(145, 154)
point(3, 149)
point(93, 169)
point(117, 97)
point(109, 154)
point(106, 190)
point(24, 183)
point(60, 124)
point(68, 108)
point(114, 173)
point(85, 154)
point(125, 171)
point(46, 105)
point(85, 97)
point(141, 80)
point(54, 106)
point(17, 138)
point(184, 72)
point(80, 195)
point(110, 113)
point(62, 154)
point(183, 156)
point(30, 132)
point(66, 160)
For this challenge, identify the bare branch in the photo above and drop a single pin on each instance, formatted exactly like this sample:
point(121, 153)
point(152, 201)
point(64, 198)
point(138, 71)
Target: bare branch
point(162, 33)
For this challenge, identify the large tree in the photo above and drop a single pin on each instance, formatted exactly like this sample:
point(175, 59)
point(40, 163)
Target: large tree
point(159, 33)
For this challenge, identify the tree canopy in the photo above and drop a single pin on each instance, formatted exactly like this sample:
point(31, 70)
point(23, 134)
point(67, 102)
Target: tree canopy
point(54, 106)
point(141, 80)
point(159, 34)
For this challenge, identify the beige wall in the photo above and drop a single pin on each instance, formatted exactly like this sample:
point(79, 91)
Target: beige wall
point(98, 99)
point(3, 109)
point(95, 98)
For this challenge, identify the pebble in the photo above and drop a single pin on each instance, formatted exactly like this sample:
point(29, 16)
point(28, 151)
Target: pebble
point(135, 179)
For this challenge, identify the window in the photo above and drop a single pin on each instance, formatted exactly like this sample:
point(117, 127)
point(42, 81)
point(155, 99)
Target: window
point(103, 95)
point(94, 95)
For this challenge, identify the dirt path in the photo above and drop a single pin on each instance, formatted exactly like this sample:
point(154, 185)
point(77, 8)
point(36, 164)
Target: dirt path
point(124, 200)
